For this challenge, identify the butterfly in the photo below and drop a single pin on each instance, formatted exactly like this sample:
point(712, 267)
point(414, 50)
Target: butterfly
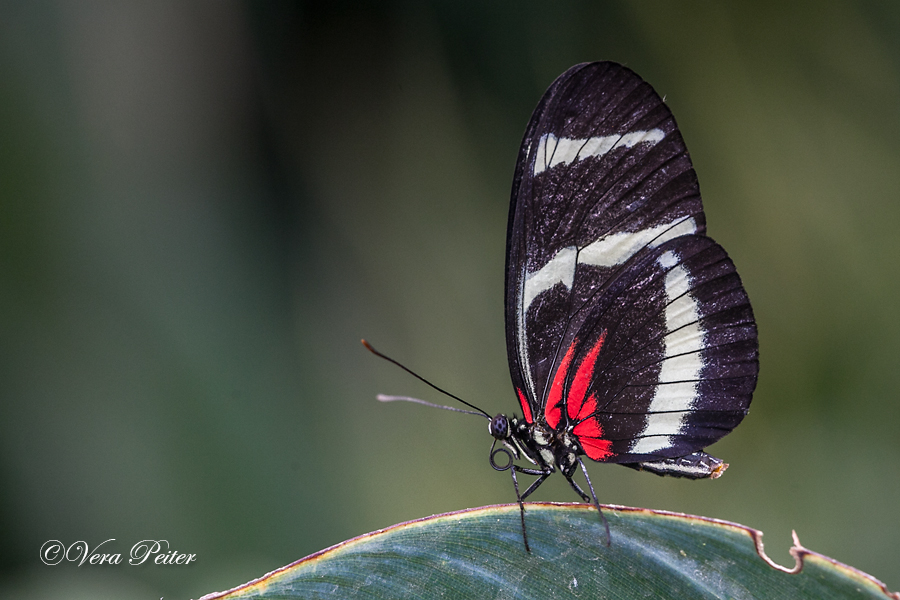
point(629, 334)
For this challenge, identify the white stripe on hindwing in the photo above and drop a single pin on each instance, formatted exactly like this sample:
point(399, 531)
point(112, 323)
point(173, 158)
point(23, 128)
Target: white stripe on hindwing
point(676, 390)
point(608, 251)
point(553, 151)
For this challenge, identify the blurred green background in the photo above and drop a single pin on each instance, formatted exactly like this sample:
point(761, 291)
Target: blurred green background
point(205, 205)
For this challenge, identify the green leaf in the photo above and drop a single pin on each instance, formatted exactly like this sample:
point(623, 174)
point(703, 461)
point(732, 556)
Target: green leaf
point(479, 553)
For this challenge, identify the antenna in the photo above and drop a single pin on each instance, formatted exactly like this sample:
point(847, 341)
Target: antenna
point(384, 398)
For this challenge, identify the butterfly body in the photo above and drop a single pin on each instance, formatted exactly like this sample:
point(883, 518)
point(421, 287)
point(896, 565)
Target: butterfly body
point(543, 447)
point(552, 450)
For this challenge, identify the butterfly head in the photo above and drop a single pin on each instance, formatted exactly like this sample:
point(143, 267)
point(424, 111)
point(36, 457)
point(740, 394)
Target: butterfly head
point(499, 427)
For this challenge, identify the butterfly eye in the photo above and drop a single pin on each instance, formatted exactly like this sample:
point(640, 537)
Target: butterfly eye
point(499, 427)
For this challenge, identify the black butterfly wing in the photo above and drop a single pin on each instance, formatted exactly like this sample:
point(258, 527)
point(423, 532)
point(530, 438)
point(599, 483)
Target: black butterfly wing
point(602, 171)
point(603, 184)
point(665, 361)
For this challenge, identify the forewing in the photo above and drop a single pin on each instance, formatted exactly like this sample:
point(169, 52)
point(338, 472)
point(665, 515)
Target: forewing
point(603, 176)
point(677, 361)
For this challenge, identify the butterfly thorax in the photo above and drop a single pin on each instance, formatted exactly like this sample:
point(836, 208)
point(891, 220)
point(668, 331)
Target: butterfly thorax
point(542, 446)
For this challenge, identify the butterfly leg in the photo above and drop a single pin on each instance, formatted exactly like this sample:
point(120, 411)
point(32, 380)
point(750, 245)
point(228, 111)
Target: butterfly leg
point(513, 468)
point(542, 475)
point(579, 491)
point(592, 498)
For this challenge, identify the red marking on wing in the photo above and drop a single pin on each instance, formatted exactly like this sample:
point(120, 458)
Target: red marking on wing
point(575, 404)
point(526, 407)
point(590, 435)
point(552, 410)
point(580, 407)
point(586, 410)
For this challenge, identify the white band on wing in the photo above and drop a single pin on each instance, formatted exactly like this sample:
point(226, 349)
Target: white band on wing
point(676, 389)
point(609, 251)
point(553, 151)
